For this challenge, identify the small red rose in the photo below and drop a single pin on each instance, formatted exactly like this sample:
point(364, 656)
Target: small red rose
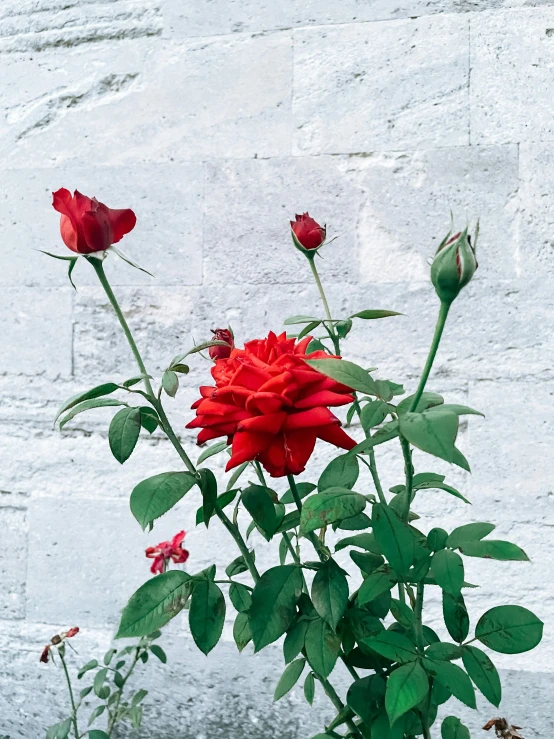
point(165, 551)
point(88, 226)
point(271, 405)
point(308, 232)
point(222, 352)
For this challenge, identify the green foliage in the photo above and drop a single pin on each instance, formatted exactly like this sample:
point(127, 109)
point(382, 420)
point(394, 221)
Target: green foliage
point(154, 604)
point(335, 504)
point(273, 604)
point(509, 629)
point(206, 615)
point(124, 433)
point(157, 495)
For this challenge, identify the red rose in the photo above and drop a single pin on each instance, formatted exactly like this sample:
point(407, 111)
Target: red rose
point(222, 352)
point(88, 226)
point(272, 405)
point(165, 551)
point(308, 232)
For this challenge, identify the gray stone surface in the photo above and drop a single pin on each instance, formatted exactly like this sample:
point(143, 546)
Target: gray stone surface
point(216, 121)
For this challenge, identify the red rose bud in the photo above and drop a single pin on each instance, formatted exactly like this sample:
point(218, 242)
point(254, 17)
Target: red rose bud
point(454, 265)
point(72, 632)
point(307, 234)
point(219, 351)
point(88, 226)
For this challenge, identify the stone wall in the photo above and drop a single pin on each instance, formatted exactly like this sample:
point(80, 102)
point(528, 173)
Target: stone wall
point(217, 120)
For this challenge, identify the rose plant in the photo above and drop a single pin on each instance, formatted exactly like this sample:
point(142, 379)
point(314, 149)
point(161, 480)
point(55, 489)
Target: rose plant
point(268, 404)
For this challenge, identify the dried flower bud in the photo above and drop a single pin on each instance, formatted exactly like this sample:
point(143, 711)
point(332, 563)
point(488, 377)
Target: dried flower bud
point(454, 265)
point(56, 639)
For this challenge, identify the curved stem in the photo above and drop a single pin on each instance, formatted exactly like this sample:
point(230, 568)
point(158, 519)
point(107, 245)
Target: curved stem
point(439, 328)
point(113, 715)
point(311, 536)
point(71, 696)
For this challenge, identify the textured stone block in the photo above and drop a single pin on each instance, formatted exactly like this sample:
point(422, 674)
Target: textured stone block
point(167, 200)
point(47, 24)
point(407, 200)
point(13, 555)
point(248, 208)
point(537, 221)
point(142, 101)
point(375, 86)
point(36, 331)
point(511, 76)
point(208, 17)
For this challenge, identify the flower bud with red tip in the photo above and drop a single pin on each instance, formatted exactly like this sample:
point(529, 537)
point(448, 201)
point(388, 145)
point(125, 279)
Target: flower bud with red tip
point(219, 351)
point(454, 265)
point(307, 234)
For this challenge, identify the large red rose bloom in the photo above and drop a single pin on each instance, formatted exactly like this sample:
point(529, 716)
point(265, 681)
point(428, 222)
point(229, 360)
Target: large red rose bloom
point(272, 405)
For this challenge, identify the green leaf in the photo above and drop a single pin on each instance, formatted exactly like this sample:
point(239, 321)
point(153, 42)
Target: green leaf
point(99, 680)
point(402, 613)
point(364, 541)
point(236, 474)
point(382, 729)
point(452, 728)
point(347, 373)
point(156, 495)
point(370, 315)
point(59, 731)
point(393, 646)
point(341, 472)
point(455, 616)
point(289, 678)
point(240, 597)
point(343, 328)
point(237, 566)
point(210, 451)
point(365, 696)
point(483, 673)
point(459, 410)
point(354, 523)
point(139, 696)
point(258, 502)
point(330, 592)
point(373, 414)
point(406, 687)
point(170, 383)
point(158, 652)
point(206, 615)
point(89, 666)
point(274, 604)
point(308, 329)
point(434, 433)
point(494, 549)
point(223, 500)
point(208, 486)
point(294, 640)
point(303, 488)
point(427, 400)
point(241, 631)
point(154, 604)
point(443, 651)
point(509, 629)
point(124, 433)
point(88, 405)
point(293, 320)
point(97, 734)
point(333, 505)
point(379, 582)
point(448, 570)
point(98, 711)
point(322, 647)
point(105, 389)
point(469, 532)
point(452, 677)
point(309, 688)
point(394, 537)
point(149, 419)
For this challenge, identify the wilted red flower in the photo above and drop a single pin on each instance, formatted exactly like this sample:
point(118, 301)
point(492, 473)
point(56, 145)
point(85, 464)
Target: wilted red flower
point(165, 551)
point(56, 640)
point(308, 232)
point(222, 352)
point(272, 405)
point(88, 226)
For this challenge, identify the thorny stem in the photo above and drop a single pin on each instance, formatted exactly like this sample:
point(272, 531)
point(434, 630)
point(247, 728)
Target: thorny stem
point(71, 696)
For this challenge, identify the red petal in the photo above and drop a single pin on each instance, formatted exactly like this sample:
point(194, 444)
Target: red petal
point(250, 377)
point(312, 418)
point(121, 222)
point(266, 402)
point(246, 447)
point(61, 201)
point(324, 398)
point(213, 433)
point(335, 435)
point(268, 424)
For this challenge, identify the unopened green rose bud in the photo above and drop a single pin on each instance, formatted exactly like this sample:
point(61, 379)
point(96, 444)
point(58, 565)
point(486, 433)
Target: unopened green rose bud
point(436, 539)
point(454, 265)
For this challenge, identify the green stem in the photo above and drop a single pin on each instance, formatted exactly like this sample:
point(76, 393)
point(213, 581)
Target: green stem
point(336, 701)
point(311, 536)
point(99, 269)
point(439, 328)
point(71, 696)
point(113, 714)
point(331, 329)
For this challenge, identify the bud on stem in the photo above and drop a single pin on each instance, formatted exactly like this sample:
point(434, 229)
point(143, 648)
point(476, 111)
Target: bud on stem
point(454, 265)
